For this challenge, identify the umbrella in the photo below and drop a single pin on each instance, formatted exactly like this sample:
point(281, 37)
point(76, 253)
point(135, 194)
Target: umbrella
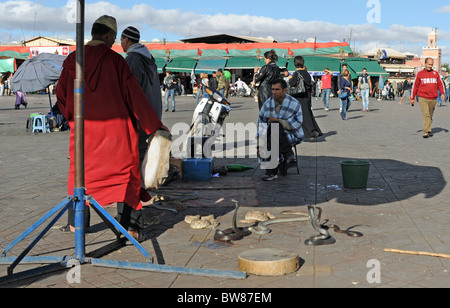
point(37, 73)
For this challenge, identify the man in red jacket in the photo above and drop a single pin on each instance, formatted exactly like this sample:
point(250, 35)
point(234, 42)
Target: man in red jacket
point(426, 87)
point(115, 107)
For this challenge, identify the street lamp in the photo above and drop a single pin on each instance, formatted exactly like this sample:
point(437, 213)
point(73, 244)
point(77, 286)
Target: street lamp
point(341, 54)
point(378, 55)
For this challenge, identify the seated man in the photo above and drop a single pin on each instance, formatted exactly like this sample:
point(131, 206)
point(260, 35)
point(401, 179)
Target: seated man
point(280, 112)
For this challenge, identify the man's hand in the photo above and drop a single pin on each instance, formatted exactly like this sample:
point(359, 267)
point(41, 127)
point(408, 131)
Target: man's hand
point(272, 119)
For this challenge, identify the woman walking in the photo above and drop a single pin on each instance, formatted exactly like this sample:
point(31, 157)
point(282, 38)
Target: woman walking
point(268, 73)
point(346, 89)
point(310, 127)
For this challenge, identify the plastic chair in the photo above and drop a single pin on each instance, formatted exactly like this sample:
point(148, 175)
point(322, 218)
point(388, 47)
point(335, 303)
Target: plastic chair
point(40, 123)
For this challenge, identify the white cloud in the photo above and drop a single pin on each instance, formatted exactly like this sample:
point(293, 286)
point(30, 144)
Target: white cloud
point(34, 19)
point(443, 10)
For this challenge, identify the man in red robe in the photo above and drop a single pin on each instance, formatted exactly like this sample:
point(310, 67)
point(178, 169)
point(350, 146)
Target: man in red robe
point(114, 105)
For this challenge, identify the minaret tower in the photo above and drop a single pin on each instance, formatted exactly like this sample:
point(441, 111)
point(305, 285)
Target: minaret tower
point(433, 51)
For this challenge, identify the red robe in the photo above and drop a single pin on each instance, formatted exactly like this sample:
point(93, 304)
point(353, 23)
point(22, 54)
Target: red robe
point(113, 102)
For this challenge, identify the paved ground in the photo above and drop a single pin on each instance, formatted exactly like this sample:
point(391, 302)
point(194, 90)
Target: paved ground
point(405, 205)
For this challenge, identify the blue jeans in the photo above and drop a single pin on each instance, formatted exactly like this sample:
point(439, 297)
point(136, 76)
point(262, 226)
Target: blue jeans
point(326, 97)
point(365, 98)
point(345, 106)
point(204, 95)
point(170, 93)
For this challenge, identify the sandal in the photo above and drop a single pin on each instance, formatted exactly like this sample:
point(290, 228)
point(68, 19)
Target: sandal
point(140, 238)
point(66, 229)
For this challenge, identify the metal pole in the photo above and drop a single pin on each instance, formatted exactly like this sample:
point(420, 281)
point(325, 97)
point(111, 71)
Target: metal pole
point(79, 136)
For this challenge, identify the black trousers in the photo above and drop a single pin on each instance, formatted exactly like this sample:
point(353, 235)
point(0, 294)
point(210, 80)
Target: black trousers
point(129, 218)
point(285, 146)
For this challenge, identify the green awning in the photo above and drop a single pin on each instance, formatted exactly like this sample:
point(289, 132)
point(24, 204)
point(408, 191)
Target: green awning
point(14, 54)
point(282, 62)
point(209, 65)
point(160, 63)
point(251, 62)
point(244, 63)
point(7, 65)
point(373, 67)
point(184, 65)
point(316, 65)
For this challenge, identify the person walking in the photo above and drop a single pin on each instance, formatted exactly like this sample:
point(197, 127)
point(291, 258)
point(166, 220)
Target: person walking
point(266, 76)
point(346, 90)
point(406, 89)
point(344, 67)
point(447, 88)
point(170, 84)
point(221, 82)
point(20, 100)
point(365, 88)
point(427, 86)
point(213, 81)
point(325, 89)
point(310, 127)
point(114, 105)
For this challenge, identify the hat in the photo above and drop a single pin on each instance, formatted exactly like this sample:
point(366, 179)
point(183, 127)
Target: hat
point(108, 21)
point(132, 33)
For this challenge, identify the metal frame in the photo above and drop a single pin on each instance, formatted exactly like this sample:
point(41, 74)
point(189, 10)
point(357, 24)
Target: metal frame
point(78, 201)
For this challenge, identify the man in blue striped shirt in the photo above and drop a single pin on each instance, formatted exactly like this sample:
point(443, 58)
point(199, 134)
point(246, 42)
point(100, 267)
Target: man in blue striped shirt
point(282, 113)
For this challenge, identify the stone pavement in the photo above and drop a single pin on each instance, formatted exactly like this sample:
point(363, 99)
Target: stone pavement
point(405, 205)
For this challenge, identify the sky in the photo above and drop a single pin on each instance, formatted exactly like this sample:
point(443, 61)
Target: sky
point(366, 24)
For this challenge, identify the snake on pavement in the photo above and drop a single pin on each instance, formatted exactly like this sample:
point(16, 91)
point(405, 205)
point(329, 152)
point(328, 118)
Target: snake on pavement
point(234, 233)
point(346, 231)
point(262, 228)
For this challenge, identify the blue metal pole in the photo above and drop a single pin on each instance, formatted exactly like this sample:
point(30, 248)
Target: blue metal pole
point(80, 228)
point(33, 272)
point(79, 184)
point(34, 259)
point(168, 269)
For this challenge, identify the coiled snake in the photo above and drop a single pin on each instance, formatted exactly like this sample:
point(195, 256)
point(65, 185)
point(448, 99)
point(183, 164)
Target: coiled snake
point(262, 228)
point(234, 233)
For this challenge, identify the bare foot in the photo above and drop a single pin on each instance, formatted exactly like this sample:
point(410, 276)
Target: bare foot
point(134, 234)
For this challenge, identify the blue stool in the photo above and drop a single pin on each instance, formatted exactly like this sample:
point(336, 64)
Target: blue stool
point(40, 123)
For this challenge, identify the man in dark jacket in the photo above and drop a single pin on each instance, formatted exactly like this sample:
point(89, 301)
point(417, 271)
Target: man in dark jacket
point(213, 84)
point(143, 66)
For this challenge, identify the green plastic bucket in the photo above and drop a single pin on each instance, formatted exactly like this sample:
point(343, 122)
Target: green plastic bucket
point(355, 173)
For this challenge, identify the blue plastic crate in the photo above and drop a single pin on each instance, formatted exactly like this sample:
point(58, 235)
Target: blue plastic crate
point(197, 169)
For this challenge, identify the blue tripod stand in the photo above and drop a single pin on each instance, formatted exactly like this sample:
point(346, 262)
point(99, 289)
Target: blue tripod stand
point(62, 262)
point(78, 202)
